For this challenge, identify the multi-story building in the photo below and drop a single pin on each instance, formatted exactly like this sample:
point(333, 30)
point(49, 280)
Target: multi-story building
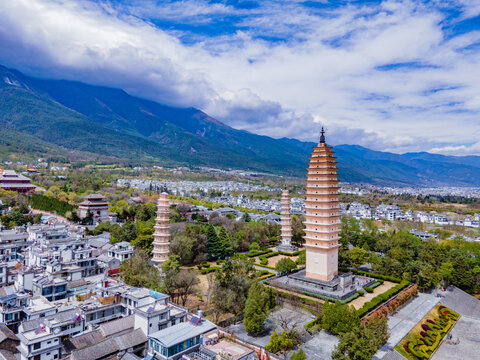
point(41, 343)
point(51, 288)
point(121, 251)
point(184, 338)
point(10, 180)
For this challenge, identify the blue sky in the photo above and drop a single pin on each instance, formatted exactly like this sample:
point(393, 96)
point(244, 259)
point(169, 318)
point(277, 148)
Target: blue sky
point(390, 75)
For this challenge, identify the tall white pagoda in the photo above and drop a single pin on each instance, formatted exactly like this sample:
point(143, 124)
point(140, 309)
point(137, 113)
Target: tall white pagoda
point(161, 236)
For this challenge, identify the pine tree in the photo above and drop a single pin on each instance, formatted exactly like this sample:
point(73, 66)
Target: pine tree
point(299, 355)
point(255, 312)
point(226, 242)
point(274, 344)
point(213, 243)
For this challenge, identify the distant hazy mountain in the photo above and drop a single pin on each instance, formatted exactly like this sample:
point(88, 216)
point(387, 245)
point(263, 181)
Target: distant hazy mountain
point(67, 118)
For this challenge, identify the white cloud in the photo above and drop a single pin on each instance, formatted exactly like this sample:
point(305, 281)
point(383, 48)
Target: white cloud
point(330, 65)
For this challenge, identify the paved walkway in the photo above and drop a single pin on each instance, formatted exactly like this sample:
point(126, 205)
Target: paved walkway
point(320, 347)
point(403, 320)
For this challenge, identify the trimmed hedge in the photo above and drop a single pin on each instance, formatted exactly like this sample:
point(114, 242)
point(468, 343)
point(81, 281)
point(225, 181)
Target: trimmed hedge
point(351, 298)
point(322, 297)
point(377, 300)
point(258, 253)
point(208, 270)
point(265, 266)
point(361, 292)
point(269, 275)
point(373, 275)
point(295, 253)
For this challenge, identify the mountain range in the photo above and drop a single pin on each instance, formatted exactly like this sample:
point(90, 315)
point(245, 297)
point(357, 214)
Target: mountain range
point(74, 120)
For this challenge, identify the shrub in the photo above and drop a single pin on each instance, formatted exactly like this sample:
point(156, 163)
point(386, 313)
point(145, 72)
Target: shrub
point(361, 292)
point(313, 326)
point(368, 289)
point(351, 298)
point(209, 270)
point(372, 275)
point(377, 300)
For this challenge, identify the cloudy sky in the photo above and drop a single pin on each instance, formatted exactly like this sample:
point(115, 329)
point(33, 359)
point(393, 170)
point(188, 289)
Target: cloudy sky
point(390, 75)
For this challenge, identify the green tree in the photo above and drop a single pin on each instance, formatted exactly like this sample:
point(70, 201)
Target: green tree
point(214, 244)
point(357, 344)
point(358, 256)
point(226, 242)
point(231, 285)
point(298, 355)
point(246, 217)
point(129, 232)
point(285, 266)
point(445, 272)
point(136, 271)
point(302, 258)
point(255, 308)
point(274, 344)
point(462, 275)
point(338, 318)
point(378, 326)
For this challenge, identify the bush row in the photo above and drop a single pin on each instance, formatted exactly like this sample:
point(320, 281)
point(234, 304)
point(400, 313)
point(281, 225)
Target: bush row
point(370, 288)
point(208, 270)
point(265, 266)
point(322, 297)
point(373, 275)
point(377, 300)
point(258, 253)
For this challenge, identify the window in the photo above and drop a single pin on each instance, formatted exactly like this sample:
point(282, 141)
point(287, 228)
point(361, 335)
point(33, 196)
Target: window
point(36, 346)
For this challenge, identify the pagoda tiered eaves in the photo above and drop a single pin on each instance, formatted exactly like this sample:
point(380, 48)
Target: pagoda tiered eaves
point(322, 214)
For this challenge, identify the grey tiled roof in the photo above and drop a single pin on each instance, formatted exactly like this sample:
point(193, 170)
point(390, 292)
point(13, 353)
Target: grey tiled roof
point(6, 333)
point(110, 346)
point(60, 317)
point(116, 326)
point(7, 355)
point(130, 356)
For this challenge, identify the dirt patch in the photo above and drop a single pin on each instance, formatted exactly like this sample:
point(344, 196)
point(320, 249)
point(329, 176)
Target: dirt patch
point(272, 261)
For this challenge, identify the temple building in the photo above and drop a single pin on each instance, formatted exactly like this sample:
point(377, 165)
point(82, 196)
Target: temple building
point(322, 213)
point(10, 180)
point(96, 205)
point(161, 235)
point(286, 224)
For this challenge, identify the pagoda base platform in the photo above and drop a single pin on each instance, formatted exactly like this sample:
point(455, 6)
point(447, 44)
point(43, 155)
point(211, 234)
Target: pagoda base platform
point(287, 248)
point(340, 287)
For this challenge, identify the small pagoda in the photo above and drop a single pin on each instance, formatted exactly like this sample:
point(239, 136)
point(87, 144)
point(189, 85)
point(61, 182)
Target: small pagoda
point(286, 225)
point(161, 235)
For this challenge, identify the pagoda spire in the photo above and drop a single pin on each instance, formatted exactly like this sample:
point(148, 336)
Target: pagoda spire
point(322, 136)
